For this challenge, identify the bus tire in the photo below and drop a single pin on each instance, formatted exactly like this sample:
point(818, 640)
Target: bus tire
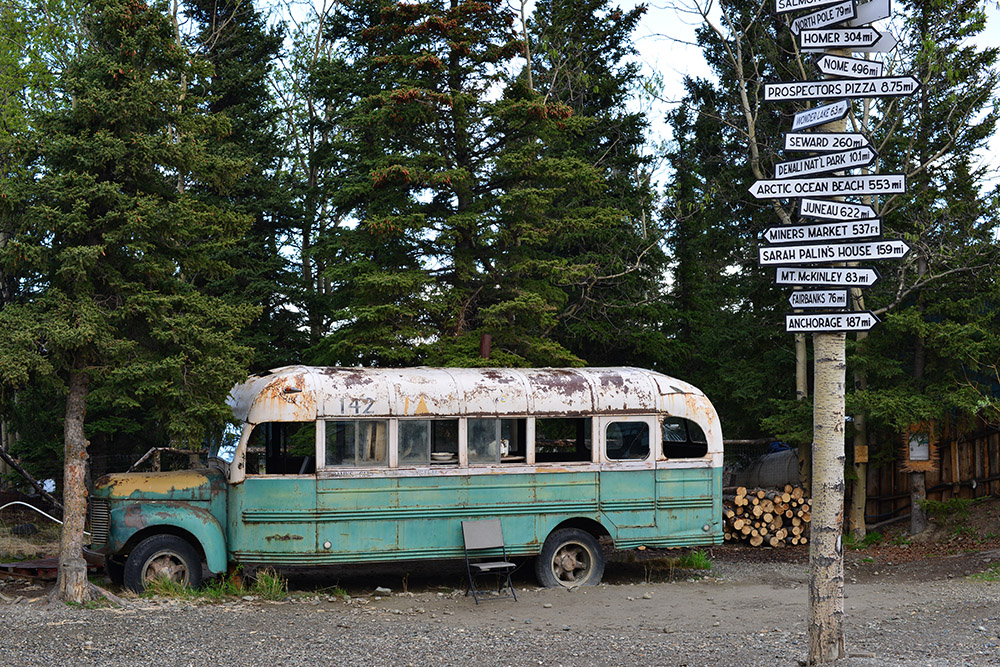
point(165, 556)
point(570, 558)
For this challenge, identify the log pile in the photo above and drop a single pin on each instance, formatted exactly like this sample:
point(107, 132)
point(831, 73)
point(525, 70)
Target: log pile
point(767, 517)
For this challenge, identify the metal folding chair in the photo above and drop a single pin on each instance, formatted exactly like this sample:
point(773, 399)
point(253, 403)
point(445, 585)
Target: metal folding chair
point(482, 540)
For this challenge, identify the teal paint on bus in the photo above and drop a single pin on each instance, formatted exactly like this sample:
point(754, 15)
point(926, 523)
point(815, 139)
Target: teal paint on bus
point(405, 518)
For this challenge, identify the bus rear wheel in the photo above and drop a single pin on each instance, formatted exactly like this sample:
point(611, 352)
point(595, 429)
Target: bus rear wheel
point(570, 557)
point(162, 557)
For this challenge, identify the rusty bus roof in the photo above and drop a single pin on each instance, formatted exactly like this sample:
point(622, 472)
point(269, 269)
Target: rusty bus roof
point(305, 393)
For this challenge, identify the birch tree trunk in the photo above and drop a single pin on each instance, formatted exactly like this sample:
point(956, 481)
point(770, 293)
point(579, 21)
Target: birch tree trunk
point(72, 584)
point(826, 556)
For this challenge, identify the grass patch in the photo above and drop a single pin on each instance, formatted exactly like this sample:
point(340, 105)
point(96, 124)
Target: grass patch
point(42, 544)
point(956, 508)
point(870, 540)
point(269, 585)
point(266, 584)
point(991, 574)
point(695, 560)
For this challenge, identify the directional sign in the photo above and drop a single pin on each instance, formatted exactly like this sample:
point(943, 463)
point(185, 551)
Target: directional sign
point(783, 6)
point(820, 115)
point(838, 13)
point(824, 142)
point(826, 298)
point(832, 252)
point(891, 86)
point(885, 44)
point(835, 276)
point(821, 164)
point(827, 231)
point(834, 210)
point(815, 322)
point(830, 186)
point(837, 38)
point(855, 68)
point(873, 10)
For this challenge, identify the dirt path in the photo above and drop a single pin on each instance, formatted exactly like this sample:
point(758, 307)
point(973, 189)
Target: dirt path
point(921, 612)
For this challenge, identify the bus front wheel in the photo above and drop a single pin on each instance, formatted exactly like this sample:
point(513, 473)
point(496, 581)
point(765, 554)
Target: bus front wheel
point(162, 557)
point(570, 557)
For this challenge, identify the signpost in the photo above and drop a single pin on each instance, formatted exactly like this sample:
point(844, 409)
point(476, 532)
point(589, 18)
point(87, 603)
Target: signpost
point(822, 209)
point(838, 13)
point(832, 252)
point(830, 186)
point(827, 298)
point(821, 164)
point(814, 322)
point(885, 86)
point(820, 115)
point(820, 39)
point(830, 231)
point(826, 275)
point(783, 6)
point(824, 142)
point(855, 68)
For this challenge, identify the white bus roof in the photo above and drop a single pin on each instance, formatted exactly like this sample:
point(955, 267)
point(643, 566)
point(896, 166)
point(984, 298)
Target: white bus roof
point(306, 393)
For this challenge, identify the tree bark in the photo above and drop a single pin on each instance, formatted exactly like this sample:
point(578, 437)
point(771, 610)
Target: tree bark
point(801, 393)
point(918, 494)
point(826, 556)
point(859, 485)
point(72, 584)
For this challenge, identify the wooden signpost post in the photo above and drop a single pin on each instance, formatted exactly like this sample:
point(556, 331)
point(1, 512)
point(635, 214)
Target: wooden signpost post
point(848, 232)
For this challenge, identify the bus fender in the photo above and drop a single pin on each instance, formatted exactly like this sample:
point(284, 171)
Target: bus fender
point(147, 519)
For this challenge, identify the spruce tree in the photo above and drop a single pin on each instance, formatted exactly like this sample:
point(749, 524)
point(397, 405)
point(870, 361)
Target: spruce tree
point(110, 249)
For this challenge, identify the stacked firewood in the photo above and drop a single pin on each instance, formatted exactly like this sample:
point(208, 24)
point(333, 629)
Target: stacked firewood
point(767, 517)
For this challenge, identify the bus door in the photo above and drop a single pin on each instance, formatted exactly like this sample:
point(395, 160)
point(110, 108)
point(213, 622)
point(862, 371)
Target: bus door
point(272, 513)
point(628, 473)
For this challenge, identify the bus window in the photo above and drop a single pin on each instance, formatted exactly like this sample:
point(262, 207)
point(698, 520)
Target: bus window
point(562, 440)
point(683, 439)
point(357, 443)
point(422, 441)
point(288, 448)
point(495, 440)
point(627, 440)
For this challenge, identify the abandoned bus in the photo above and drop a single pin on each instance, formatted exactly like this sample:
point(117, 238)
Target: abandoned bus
point(347, 465)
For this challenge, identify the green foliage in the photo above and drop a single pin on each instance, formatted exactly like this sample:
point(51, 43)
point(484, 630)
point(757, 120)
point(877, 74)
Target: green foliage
point(953, 508)
point(269, 585)
point(109, 240)
point(871, 539)
point(695, 560)
point(992, 573)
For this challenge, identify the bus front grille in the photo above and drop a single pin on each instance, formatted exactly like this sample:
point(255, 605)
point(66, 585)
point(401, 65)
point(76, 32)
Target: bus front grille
point(100, 521)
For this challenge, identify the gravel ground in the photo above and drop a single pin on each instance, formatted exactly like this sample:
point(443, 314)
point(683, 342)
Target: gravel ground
point(744, 613)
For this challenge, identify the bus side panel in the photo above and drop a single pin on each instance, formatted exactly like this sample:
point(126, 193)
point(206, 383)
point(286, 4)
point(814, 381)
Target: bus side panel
point(628, 502)
point(687, 500)
point(272, 520)
point(562, 495)
point(359, 518)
